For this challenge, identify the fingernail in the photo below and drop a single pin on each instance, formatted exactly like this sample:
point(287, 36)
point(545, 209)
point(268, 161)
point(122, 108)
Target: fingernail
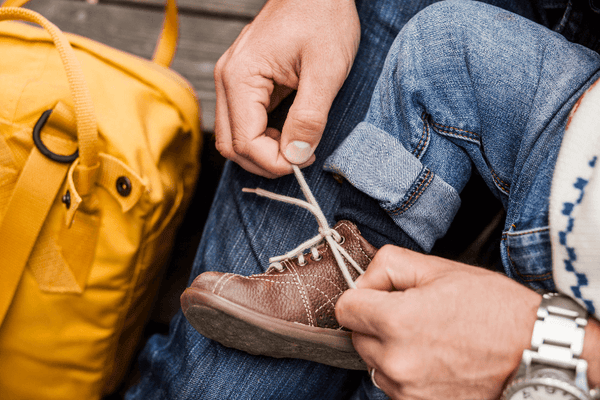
point(298, 152)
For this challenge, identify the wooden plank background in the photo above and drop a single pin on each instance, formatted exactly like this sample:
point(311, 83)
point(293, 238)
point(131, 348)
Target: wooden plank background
point(207, 29)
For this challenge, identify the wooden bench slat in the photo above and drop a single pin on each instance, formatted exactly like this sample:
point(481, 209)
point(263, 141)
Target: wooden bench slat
point(203, 39)
point(235, 8)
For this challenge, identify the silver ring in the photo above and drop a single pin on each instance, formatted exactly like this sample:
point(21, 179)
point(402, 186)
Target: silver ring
point(372, 373)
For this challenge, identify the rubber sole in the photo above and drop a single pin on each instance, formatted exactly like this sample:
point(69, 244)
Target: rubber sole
point(244, 329)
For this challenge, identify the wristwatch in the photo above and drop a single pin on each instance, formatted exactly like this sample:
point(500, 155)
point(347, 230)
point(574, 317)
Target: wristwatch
point(552, 369)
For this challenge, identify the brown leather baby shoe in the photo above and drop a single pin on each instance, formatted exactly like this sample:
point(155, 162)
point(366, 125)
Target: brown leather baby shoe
point(288, 311)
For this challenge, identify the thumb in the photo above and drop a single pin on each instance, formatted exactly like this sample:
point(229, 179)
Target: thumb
point(307, 116)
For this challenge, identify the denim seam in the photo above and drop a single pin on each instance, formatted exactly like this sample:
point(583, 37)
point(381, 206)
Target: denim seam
point(525, 277)
point(334, 170)
point(519, 233)
point(415, 194)
point(451, 131)
point(500, 184)
point(424, 141)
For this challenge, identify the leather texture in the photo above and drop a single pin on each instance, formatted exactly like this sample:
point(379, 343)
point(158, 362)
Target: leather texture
point(304, 294)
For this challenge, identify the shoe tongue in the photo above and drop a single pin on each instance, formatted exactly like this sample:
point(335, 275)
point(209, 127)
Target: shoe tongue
point(349, 230)
point(345, 222)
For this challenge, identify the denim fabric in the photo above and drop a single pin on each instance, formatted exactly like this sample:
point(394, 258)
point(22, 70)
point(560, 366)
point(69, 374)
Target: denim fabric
point(243, 231)
point(374, 161)
point(469, 85)
point(579, 16)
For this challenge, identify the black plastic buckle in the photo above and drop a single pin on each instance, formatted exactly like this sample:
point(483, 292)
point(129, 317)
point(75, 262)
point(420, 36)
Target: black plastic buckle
point(37, 129)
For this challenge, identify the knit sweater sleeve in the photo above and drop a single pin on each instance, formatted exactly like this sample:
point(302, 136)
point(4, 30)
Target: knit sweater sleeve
point(575, 205)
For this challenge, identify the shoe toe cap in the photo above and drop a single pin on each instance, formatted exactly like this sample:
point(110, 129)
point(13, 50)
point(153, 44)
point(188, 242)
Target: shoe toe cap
point(207, 281)
point(204, 283)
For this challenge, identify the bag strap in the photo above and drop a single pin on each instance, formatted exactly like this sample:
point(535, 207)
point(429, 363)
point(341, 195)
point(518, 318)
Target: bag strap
point(26, 212)
point(87, 130)
point(164, 52)
point(41, 178)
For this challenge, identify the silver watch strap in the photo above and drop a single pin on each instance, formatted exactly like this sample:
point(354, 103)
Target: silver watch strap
point(559, 331)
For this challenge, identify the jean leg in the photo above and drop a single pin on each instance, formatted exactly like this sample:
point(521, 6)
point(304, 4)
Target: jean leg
point(243, 231)
point(467, 84)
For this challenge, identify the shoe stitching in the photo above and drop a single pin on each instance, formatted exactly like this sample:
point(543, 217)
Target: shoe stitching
point(252, 278)
point(225, 282)
point(328, 301)
point(324, 294)
point(302, 291)
point(219, 281)
point(357, 239)
point(294, 283)
point(283, 275)
point(324, 277)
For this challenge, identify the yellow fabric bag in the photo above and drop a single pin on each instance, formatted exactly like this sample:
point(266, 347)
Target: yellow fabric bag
point(98, 158)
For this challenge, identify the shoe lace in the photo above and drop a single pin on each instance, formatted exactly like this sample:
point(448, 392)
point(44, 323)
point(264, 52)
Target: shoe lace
point(331, 236)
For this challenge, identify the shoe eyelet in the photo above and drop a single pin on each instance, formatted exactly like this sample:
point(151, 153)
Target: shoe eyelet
point(302, 264)
point(342, 240)
point(317, 259)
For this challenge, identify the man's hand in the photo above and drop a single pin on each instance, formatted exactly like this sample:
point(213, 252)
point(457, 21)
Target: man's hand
point(305, 45)
point(437, 329)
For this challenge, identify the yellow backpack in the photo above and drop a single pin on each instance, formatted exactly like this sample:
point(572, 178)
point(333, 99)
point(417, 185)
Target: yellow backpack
point(98, 158)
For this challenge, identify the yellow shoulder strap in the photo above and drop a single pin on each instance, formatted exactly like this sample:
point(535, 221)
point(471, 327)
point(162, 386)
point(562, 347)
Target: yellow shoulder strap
point(27, 209)
point(164, 52)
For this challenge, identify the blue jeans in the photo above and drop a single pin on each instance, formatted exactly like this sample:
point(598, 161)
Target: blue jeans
point(243, 230)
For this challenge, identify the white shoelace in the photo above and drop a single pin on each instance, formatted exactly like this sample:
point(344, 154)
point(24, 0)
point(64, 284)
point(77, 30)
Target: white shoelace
point(332, 237)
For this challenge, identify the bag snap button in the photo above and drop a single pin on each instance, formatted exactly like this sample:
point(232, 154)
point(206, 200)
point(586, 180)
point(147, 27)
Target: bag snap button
point(124, 186)
point(67, 199)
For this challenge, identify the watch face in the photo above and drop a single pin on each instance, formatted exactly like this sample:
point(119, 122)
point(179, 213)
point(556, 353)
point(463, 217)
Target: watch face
point(543, 393)
point(546, 389)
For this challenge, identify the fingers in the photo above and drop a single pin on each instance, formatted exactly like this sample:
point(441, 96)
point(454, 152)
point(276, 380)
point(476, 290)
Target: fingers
point(372, 350)
point(366, 311)
point(307, 117)
point(369, 347)
point(312, 51)
point(381, 380)
point(241, 124)
point(396, 268)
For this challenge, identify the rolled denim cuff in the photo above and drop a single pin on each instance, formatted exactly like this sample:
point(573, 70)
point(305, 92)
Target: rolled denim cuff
point(421, 203)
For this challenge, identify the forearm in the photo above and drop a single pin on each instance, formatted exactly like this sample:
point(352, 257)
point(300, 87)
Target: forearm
point(591, 350)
